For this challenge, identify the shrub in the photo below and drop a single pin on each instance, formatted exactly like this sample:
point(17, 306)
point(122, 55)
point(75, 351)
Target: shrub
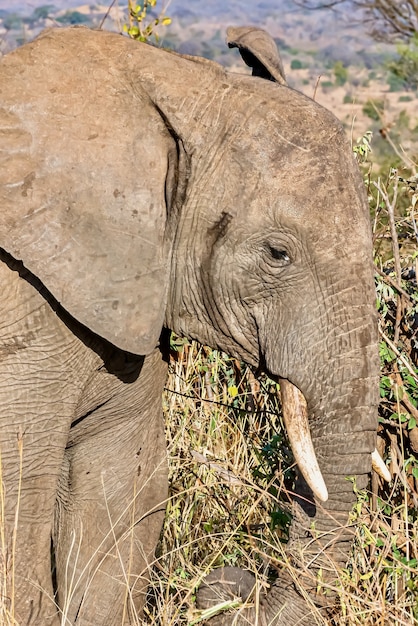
point(340, 73)
point(42, 12)
point(404, 69)
point(296, 64)
point(13, 21)
point(72, 18)
point(405, 99)
point(326, 85)
point(374, 109)
point(396, 83)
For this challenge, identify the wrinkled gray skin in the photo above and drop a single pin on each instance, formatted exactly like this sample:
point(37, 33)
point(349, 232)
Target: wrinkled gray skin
point(143, 190)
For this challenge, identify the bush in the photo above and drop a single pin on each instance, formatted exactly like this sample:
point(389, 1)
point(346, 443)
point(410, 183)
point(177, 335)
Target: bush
point(404, 69)
point(12, 21)
point(326, 85)
point(42, 12)
point(340, 73)
point(296, 64)
point(374, 109)
point(72, 18)
point(396, 83)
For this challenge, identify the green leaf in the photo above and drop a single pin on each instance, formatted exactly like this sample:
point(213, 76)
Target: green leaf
point(386, 353)
point(411, 381)
point(385, 386)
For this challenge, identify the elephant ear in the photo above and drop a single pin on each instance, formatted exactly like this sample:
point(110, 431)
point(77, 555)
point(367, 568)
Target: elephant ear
point(259, 51)
point(86, 191)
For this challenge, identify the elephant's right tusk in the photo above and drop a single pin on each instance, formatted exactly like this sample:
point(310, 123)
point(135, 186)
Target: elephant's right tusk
point(295, 417)
point(379, 466)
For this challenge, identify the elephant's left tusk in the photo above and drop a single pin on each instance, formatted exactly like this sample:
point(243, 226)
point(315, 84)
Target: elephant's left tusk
point(295, 417)
point(379, 466)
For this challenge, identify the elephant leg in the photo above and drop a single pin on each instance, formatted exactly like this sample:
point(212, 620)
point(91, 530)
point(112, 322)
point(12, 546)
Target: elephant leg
point(112, 496)
point(36, 405)
point(30, 469)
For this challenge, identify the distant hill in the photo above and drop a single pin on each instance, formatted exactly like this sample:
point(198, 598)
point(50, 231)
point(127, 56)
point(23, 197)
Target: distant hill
point(330, 33)
point(202, 8)
point(324, 52)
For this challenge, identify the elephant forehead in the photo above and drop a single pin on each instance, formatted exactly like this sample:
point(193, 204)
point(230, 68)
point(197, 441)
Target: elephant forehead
point(320, 188)
point(294, 157)
point(323, 194)
point(275, 115)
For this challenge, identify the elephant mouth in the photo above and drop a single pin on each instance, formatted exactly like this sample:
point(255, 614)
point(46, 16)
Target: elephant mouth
point(295, 417)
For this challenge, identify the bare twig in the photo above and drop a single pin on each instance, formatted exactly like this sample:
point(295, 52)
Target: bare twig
point(395, 285)
point(316, 87)
point(398, 354)
point(218, 469)
point(106, 15)
point(390, 205)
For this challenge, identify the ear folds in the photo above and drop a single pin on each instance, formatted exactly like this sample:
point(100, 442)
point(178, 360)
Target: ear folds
point(258, 51)
point(96, 240)
point(83, 193)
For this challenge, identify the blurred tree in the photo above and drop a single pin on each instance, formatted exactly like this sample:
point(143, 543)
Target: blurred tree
point(340, 73)
point(12, 21)
point(386, 19)
point(42, 12)
point(404, 68)
point(73, 18)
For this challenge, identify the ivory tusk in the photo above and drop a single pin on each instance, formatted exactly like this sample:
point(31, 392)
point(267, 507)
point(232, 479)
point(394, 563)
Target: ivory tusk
point(379, 466)
point(295, 417)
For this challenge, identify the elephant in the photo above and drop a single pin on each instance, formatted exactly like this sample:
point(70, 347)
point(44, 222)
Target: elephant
point(144, 192)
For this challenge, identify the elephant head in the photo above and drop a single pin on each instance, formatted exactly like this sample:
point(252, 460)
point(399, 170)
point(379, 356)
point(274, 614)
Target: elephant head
point(227, 208)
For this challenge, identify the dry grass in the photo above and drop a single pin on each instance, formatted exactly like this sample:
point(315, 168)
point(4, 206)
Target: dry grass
point(7, 556)
point(223, 498)
point(221, 479)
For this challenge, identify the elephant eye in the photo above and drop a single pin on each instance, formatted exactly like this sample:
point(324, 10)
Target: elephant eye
point(279, 255)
